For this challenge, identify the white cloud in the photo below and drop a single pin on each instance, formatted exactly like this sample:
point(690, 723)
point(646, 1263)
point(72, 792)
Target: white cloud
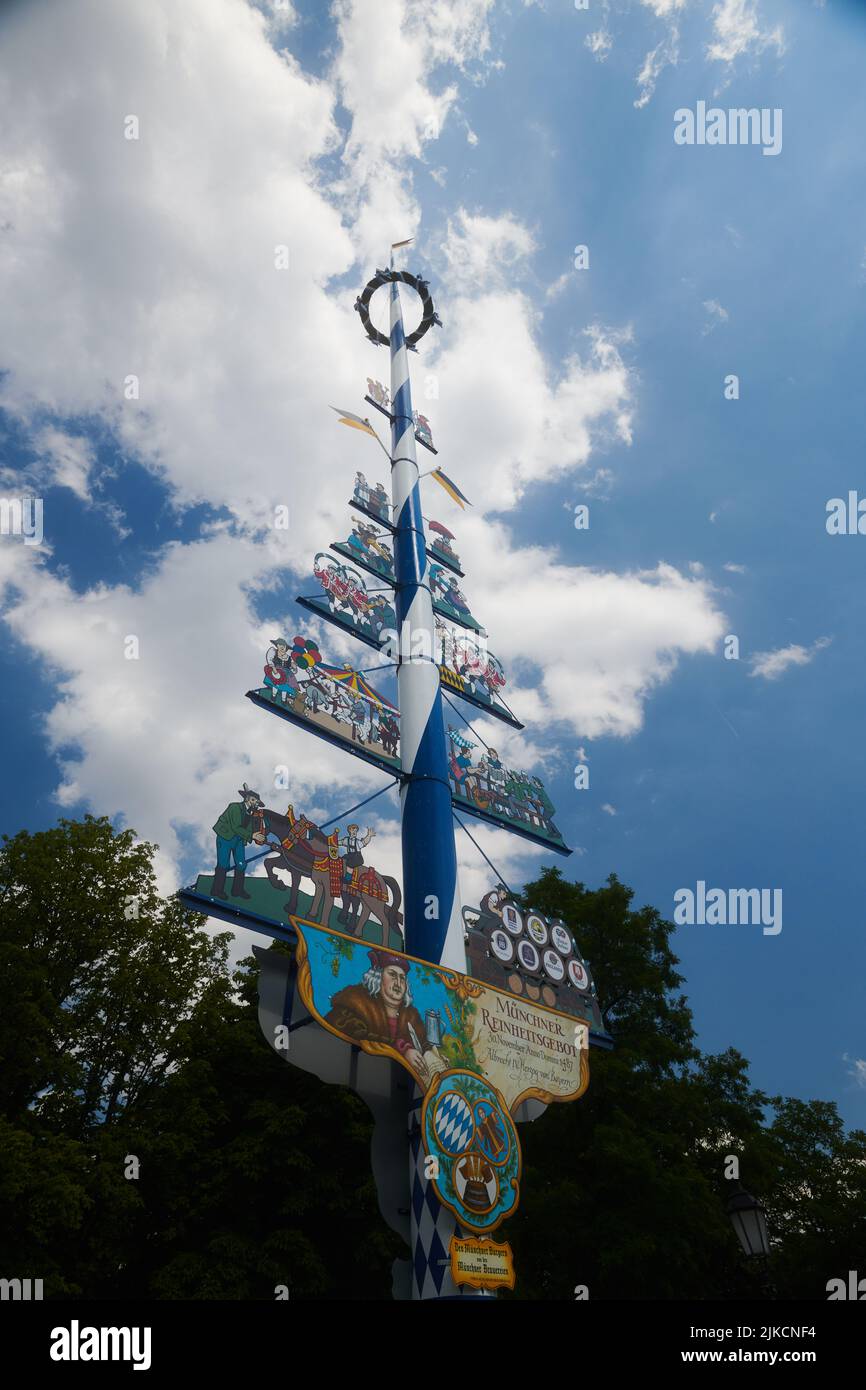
point(163, 740)
point(509, 418)
point(378, 38)
point(717, 314)
point(663, 8)
point(600, 642)
point(516, 860)
point(484, 251)
point(772, 664)
point(156, 257)
point(734, 569)
point(64, 460)
point(555, 289)
point(599, 44)
point(599, 485)
point(737, 30)
point(280, 14)
point(856, 1069)
point(395, 121)
point(67, 460)
point(608, 809)
point(665, 54)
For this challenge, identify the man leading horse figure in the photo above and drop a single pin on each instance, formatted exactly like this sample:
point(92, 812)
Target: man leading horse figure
point(304, 850)
point(239, 823)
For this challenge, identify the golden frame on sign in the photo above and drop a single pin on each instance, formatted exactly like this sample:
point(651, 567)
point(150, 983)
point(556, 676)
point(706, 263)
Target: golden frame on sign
point(480, 1249)
point(464, 987)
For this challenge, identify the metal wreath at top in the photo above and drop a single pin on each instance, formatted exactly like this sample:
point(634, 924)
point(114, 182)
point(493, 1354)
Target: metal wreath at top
point(385, 277)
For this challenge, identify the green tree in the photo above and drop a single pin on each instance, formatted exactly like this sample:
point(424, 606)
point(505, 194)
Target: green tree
point(624, 1191)
point(125, 1034)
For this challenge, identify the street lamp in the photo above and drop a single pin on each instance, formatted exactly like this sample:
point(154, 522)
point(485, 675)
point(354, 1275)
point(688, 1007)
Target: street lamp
point(749, 1221)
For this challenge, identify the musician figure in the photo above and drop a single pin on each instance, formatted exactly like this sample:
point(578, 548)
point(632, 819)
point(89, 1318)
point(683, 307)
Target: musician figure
point(352, 860)
point(278, 670)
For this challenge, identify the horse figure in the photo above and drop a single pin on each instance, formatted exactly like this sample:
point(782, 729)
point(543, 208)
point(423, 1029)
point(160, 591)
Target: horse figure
point(300, 843)
point(305, 851)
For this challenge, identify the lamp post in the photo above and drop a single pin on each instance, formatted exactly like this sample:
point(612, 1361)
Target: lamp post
point(749, 1221)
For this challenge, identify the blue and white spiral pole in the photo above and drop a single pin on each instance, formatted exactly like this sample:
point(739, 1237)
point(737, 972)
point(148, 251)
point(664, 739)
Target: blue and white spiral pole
point(431, 895)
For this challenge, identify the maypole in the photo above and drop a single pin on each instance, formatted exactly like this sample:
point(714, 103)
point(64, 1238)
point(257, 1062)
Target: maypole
point(431, 893)
point(434, 928)
point(376, 993)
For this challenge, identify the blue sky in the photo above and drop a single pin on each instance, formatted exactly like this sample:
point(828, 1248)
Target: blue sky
point(502, 136)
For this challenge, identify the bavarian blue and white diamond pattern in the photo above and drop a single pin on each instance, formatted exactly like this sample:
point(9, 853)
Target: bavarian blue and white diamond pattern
point(454, 1123)
point(432, 1227)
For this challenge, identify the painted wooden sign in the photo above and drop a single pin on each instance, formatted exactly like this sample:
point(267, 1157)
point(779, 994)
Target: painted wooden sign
point(367, 612)
point(439, 547)
point(367, 547)
point(482, 785)
point(448, 600)
point(435, 1020)
point(532, 956)
point(475, 1052)
point(469, 670)
point(423, 430)
point(379, 396)
point(482, 1264)
point(467, 1128)
point(348, 892)
point(372, 500)
point(337, 703)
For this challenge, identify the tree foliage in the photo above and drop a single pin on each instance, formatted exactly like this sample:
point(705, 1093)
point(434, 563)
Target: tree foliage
point(126, 1040)
point(625, 1191)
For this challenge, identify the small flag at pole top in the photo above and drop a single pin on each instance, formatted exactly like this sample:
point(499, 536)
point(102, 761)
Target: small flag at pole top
point(395, 244)
point(354, 421)
point(450, 487)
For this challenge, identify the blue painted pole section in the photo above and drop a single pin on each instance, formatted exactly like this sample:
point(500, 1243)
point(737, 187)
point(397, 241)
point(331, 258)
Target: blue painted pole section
point(431, 897)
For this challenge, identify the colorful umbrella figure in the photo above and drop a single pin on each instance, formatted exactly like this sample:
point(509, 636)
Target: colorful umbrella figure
point(354, 682)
